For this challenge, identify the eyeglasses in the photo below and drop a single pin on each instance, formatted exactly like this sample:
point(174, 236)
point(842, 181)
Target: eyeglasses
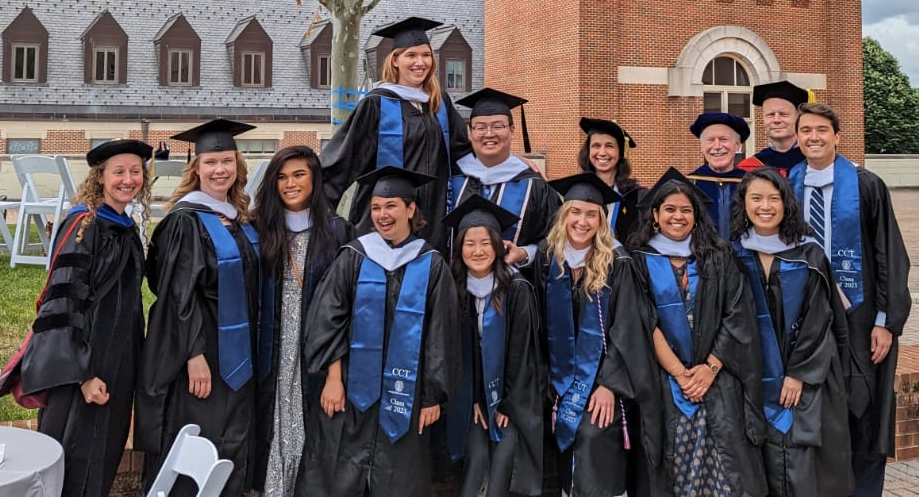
point(481, 129)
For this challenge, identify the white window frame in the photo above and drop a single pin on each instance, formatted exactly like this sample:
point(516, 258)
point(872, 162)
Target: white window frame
point(327, 74)
point(115, 55)
point(25, 47)
point(179, 52)
point(724, 90)
point(257, 60)
point(462, 74)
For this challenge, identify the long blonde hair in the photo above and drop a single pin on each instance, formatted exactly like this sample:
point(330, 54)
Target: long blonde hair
point(236, 196)
point(89, 193)
point(430, 85)
point(600, 257)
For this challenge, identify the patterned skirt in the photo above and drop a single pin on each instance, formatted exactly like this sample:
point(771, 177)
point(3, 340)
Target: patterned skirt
point(697, 468)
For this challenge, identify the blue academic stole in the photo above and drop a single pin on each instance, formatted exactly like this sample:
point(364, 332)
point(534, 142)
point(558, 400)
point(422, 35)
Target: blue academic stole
point(391, 140)
point(233, 337)
point(613, 216)
point(494, 333)
point(513, 196)
point(573, 363)
point(846, 243)
point(367, 374)
point(793, 280)
point(671, 313)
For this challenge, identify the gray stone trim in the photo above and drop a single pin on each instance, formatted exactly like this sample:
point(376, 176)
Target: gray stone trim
point(685, 78)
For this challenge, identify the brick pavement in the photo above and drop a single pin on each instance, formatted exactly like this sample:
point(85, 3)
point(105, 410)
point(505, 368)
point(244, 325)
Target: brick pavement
point(903, 476)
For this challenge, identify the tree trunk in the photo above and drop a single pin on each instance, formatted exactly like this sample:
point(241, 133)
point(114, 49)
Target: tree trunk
point(346, 31)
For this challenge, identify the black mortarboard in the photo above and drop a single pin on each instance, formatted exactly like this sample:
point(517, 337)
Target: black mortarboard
point(707, 119)
point(108, 149)
point(783, 90)
point(491, 102)
point(214, 136)
point(672, 175)
point(594, 126)
point(476, 211)
point(408, 32)
point(391, 181)
point(587, 187)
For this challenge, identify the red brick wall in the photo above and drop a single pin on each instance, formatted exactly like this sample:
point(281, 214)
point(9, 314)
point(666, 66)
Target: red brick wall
point(64, 142)
point(308, 138)
point(564, 58)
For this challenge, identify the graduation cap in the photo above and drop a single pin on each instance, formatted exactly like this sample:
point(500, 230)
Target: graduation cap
point(491, 102)
point(707, 119)
point(213, 136)
point(595, 126)
point(408, 32)
point(672, 175)
point(476, 211)
point(783, 90)
point(106, 150)
point(391, 181)
point(587, 187)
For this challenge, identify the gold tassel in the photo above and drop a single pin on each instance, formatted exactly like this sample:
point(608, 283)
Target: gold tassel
point(811, 96)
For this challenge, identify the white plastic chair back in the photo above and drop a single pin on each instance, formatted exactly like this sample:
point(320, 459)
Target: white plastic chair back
point(255, 179)
point(34, 209)
point(195, 457)
point(164, 169)
point(6, 237)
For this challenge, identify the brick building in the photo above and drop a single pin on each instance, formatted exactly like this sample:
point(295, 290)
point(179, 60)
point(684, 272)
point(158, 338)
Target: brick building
point(74, 75)
point(654, 66)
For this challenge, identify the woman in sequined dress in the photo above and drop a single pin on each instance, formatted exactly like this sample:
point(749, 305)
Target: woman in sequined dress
point(299, 236)
point(709, 419)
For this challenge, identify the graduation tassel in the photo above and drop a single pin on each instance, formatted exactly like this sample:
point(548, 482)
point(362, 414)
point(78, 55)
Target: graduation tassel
point(188, 158)
point(554, 412)
point(526, 134)
point(626, 442)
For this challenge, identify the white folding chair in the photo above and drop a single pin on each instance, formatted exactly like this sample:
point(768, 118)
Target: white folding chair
point(35, 209)
point(195, 457)
point(6, 237)
point(161, 169)
point(255, 179)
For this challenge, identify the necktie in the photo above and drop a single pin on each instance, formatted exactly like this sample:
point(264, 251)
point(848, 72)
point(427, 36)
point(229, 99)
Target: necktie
point(818, 215)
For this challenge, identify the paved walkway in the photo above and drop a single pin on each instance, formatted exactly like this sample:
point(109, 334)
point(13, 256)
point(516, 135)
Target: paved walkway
point(903, 476)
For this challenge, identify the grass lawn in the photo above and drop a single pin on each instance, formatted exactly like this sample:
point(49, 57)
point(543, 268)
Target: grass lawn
point(20, 287)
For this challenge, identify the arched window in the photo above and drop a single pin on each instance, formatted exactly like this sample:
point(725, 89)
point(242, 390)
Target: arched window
point(727, 88)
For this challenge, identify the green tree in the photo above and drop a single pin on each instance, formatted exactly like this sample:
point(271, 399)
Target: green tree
point(891, 105)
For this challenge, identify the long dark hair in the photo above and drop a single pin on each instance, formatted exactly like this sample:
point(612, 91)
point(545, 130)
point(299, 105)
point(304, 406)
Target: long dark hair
point(792, 228)
point(268, 215)
point(705, 239)
point(502, 272)
point(623, 169)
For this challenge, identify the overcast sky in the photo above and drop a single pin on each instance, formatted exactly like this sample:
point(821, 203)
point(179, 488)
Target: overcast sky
point(895, 24)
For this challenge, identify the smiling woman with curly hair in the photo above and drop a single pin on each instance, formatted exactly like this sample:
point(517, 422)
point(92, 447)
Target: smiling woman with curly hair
point(90, 324)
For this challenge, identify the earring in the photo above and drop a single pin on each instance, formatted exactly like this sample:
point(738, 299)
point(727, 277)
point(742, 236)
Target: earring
point(746, 222)
point(656, 226)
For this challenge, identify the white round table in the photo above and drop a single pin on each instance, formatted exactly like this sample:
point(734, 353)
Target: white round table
point(33, 464)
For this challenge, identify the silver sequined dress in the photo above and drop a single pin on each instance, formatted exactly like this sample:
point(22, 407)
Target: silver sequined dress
point(289, 424)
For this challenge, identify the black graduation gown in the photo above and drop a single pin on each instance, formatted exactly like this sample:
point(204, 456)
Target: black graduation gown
point(720, 187)
point(724, 325)
point(91, 323)
point(522, 403)
point(182, 273)
point(601, 467)
point(816, 459)
point(352, 151)
point(885, 269)
point(629, 214)
point(783, 161)
point(540, 211)
point(343, 450)
point(343, 232)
